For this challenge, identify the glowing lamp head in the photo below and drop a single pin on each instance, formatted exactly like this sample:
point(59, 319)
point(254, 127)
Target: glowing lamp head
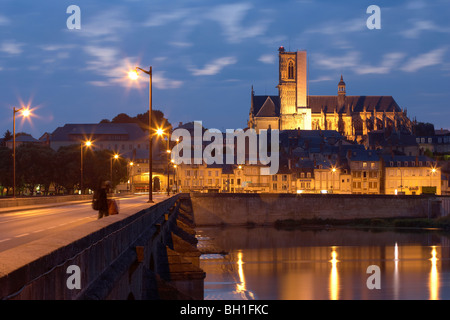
point(26, 112)
point(88, 143)
point(116, 156)
point(433, 170)
point(133, 75)
point(160, 132)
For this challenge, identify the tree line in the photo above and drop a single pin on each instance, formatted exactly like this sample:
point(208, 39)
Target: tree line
point(58, 172)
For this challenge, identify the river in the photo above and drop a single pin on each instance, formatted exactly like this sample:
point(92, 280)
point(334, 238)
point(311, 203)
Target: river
point(265, 263)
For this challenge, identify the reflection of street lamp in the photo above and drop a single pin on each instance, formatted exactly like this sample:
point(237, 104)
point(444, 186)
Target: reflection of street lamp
point(133, 75)
point(25, 113)
point(87, 144)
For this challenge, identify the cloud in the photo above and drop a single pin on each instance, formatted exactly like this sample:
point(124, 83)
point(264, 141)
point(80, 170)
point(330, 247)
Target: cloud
point(161, 82)
point(268, 58)
point(350, 60)
point(106, 26)
point(420, 26)
point(214, 67)
point(428, 59)
point(11, 47)
point(181, 44)
point(161, 19)
point(107, 62)
point(57, 47)
point(390, 61)
point(320, 79)
point(231, 17)
point(4, 21)
point(339, 27)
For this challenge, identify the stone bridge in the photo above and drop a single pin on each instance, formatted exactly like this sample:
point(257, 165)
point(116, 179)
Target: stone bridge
point(151, 254)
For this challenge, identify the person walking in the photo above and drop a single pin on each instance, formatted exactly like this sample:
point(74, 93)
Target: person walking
point(102, 198)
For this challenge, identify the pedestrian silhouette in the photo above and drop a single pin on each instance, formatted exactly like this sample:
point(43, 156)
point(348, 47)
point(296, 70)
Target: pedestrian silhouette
point(102, 198)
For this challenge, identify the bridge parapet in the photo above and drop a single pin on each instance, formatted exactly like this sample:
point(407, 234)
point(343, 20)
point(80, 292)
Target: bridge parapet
point(138, 256)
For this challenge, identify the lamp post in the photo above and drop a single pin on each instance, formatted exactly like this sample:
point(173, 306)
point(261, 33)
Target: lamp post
point(114, 157)
point(130, 176)
point(133, 76)
point(333, 171)
point(87, 144)
point(160, 132)
point(432, 172)
point(175, 177)
point(25, 113)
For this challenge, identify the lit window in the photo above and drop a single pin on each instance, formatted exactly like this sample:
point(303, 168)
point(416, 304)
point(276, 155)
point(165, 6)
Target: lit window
point(291, 70)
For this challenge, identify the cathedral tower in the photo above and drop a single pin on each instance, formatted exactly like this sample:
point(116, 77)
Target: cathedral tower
point(292, 88)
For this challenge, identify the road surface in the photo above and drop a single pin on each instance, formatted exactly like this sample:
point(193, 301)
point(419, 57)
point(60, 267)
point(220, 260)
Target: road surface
point(29, 224)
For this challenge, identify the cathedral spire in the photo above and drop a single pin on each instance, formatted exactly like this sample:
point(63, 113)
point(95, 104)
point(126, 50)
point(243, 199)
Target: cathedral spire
point(341, 87)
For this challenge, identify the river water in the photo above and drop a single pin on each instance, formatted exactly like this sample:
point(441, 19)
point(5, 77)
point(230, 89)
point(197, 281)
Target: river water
point(265, 263)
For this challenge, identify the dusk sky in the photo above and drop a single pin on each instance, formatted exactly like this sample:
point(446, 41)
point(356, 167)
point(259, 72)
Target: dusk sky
point(206, 55)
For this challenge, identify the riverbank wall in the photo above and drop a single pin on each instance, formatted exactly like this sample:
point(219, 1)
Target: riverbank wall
point(267, 209)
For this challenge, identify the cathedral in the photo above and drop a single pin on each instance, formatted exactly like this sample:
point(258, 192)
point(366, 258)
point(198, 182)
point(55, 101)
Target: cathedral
point(352, 116)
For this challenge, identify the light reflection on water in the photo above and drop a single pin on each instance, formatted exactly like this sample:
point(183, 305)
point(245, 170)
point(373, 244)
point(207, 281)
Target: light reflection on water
point(271, 264)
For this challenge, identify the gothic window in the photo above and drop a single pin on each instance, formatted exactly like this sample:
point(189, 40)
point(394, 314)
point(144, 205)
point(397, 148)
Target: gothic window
point(291, 70)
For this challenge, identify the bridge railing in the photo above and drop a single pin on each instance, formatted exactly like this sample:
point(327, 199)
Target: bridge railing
point(69, 264)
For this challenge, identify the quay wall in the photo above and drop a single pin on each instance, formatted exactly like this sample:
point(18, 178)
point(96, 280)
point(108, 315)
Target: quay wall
point(266, 209)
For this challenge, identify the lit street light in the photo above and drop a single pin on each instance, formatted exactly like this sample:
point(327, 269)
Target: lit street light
point(133, 75)
point(432, 172)
point(115, 157)
point(25, 113)
point(87, 144)
point(160, 133)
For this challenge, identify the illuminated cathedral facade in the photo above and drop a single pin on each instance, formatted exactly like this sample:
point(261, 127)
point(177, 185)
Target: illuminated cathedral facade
point(352, 116)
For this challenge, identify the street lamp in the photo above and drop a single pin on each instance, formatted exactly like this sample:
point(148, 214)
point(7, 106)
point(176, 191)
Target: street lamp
point(133, 75)
point(433, 171)
point(86, 144)
point(131, 169)
point(175, 176)
point(25, 113)
point(115, 157)
point(333, 171)
point(160, 132)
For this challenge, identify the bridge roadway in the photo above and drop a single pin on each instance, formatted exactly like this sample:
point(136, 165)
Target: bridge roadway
point(21, 225)
point(144, 252)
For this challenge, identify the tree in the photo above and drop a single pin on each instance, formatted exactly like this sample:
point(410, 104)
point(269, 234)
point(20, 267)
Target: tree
point(67, 173)
point(123, 118)
point(6, 169)
point(6, 137)
point(97, 168)
point(158, 119)
point(34, 166)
